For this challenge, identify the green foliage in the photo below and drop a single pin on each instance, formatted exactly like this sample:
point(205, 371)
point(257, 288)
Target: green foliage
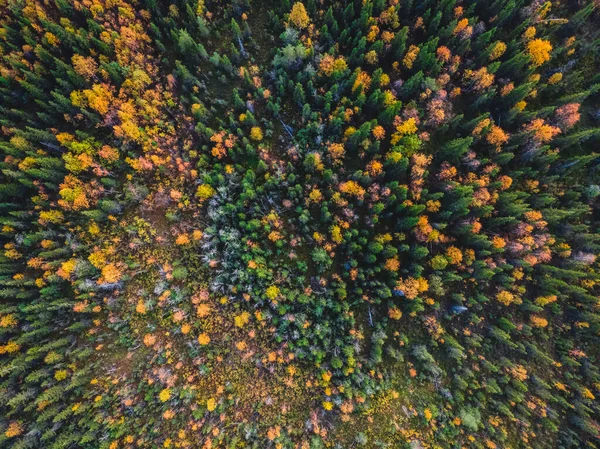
point(299, 224)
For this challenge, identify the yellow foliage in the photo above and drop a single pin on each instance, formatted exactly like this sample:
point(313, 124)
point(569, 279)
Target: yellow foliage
point(373, 32)
point(427, 413)
point(60, 375)
point(51, 216)
point(299, 16)
point(371, 57)
point(520, 105)
point(165, 395)
point(211, 405)
point(51, 38)
point(256, 133)
point(128, 129)
point(67, 268)
point(9, 348)
point(587, 394)
point(99, 98)
point(557, 77)
point(539, 50)
point(73, 194)
point(505, 297)
point(394, 156)
point(433, 205)
point(349, 131)
point(93, 228)
point(405, 128)
point(352, 188)
point(410, 56)
point(395, 313)
point(498, 50)
point(384, 80)
point(205, 191)
point(97, 259)
point(336, 234)
point(543, 300)
point(529, 33)
point(389, 98)
point(242, 319)
point(78, 163)
point(315, 195)
point(272, 292)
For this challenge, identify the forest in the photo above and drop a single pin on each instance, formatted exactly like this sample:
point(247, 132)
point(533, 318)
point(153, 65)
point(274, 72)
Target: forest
point(316, 224)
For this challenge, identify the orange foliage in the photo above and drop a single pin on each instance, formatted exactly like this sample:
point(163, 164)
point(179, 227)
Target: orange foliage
point(461, 25)
point(392, 264)
point(455, 255)
point(203, 339)
point(537, 321)
point(443, 53)
point(362, 79)
point(374, 168)
point(481, 79)
point(110, 273)
point(329, 65)
point(497, 136)
point(412, 287)
point(378, 132)
point(85, 67)
point(568, 115)
point(542, 132)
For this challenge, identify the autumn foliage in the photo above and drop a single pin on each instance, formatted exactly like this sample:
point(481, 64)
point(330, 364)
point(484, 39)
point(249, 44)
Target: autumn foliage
point(299, 225)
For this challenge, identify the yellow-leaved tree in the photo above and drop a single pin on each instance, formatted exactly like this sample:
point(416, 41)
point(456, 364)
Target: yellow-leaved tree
point(299, 16)
point(539, 51)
